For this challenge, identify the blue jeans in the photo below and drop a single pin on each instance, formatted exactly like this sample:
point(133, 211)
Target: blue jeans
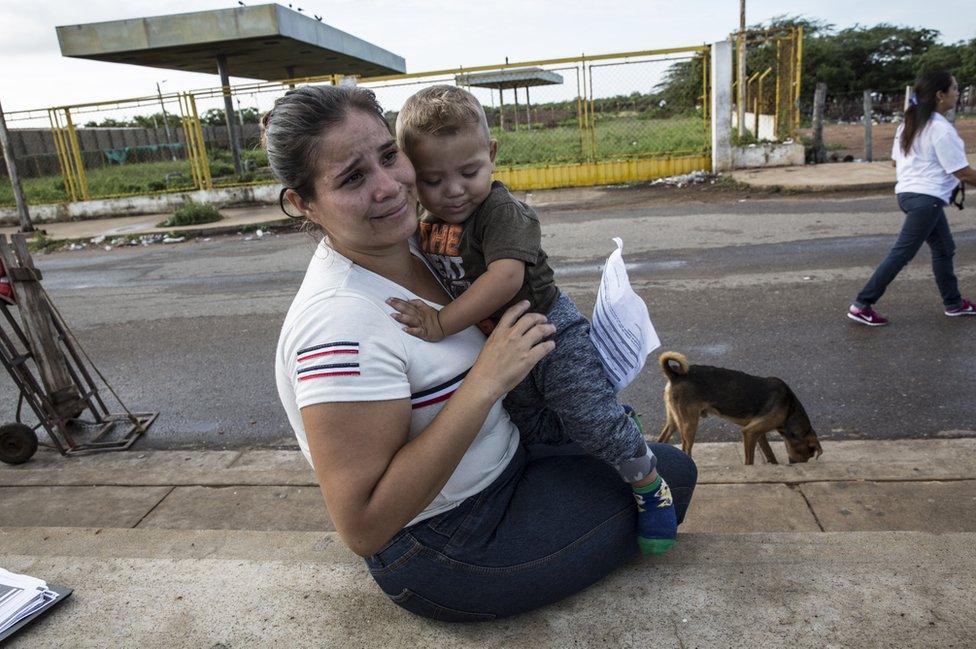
point(925, 221)
point(568, 397)
point(554, 522)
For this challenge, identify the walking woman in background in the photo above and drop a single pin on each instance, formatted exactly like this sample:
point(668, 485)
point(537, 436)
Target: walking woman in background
point(931, 162)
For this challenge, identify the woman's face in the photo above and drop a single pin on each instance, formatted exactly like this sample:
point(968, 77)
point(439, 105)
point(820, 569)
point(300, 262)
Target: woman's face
point(365, 194)
point(947, 100)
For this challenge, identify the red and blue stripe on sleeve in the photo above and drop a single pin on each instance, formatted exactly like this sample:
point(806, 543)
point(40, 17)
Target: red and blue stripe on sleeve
point(340, 358)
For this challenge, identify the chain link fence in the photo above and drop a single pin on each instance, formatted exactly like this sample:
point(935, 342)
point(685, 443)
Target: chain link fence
point(545, 113)
point(845, 135)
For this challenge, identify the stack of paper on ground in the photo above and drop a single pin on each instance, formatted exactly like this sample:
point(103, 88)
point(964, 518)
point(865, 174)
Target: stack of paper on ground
point(621, 329)
point(20, 596)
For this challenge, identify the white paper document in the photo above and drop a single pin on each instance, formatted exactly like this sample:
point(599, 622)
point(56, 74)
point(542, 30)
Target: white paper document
point(20, 595)
point(621, 329)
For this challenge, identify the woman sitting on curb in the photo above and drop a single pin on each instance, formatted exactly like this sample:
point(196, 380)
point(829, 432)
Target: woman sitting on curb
point(421, 469)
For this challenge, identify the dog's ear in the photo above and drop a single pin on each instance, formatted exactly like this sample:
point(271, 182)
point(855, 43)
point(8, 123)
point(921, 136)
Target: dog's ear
point(797, 423)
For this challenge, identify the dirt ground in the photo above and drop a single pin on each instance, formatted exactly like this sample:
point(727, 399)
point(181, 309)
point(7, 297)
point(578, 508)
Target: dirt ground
point(848, 139)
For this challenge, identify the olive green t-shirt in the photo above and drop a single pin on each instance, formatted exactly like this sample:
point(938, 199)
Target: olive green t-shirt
point(502, 227)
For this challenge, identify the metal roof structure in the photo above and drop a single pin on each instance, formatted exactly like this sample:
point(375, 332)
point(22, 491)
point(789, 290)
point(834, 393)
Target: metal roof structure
point(267, 42)
point(505, 79)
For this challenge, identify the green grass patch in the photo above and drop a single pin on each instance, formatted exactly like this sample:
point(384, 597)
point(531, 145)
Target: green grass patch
point(615, 138)
point(110, 180)
point(191, 214)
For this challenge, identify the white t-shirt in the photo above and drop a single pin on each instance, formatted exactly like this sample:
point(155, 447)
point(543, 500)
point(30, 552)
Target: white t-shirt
point(936, 152)
point(339, 343)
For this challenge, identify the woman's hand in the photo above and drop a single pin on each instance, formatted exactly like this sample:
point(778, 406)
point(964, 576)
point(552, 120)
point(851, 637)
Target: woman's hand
point(512, 350)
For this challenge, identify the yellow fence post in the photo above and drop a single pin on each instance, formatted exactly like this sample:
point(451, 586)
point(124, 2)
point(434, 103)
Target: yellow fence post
point(200, 146)
point(761, 99)
point(67, 171)
point(76, 154)
point(705, 96)
point(798, 79)
point(188, 138)
point(581, 112)
point(592, 124)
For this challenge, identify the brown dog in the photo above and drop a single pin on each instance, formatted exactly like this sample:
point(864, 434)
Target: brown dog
point(758, 405)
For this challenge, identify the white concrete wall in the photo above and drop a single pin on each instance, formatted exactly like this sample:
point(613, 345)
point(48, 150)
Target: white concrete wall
point(770, 154)
point(767, 125)
point(133, 205)
point(721, 106)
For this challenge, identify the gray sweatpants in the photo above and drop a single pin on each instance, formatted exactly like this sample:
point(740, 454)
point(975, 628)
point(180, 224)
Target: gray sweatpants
point(568, 398)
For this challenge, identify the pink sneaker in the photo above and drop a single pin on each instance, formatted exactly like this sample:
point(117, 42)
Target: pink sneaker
point(966, 308)
point(867, 316)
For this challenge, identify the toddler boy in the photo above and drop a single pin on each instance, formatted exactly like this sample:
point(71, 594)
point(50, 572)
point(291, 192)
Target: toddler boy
point(486, 246)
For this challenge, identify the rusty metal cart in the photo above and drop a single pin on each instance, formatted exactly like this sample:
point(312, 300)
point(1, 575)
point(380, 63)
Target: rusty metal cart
point(52, 373)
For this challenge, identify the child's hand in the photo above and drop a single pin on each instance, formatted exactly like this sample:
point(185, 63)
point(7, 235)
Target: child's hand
point(420, 319)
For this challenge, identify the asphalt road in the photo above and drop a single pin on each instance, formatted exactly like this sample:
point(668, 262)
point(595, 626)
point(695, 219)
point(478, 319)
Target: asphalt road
point(759, 284)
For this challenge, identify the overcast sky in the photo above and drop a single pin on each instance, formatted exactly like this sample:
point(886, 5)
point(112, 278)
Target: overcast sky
point(429, 34)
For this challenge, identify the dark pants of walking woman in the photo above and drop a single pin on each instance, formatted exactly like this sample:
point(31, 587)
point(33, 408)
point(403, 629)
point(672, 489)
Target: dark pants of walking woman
point(554, 522)
point(925, 221)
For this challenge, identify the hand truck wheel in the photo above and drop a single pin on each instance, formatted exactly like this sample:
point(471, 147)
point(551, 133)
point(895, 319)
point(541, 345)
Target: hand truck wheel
point(18, 443)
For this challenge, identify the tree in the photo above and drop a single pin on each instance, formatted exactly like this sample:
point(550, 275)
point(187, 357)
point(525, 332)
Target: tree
point(156, 120)
point(681, 87)
point(883, 58)
point(957, 58)
point(108, 122)
point(217, 116)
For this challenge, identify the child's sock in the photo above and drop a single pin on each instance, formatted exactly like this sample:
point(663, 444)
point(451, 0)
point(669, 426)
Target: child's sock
point(657, 524)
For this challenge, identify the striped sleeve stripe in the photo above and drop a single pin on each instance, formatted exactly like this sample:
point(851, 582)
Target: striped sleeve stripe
point(329, 366)
point(329, 369)
point(348, 345)
point(327, 352)
point(319, 375)
point(438, 393)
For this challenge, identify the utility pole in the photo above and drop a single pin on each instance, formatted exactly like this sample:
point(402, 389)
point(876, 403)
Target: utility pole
point(169, 137)
point(741, 76)
point(8, 156)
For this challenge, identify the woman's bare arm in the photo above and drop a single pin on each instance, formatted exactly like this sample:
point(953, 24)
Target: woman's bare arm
point(966, 174)
point(373, 480)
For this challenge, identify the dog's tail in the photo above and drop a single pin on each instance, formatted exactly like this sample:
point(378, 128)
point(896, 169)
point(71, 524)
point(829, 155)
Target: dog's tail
point(669, 370)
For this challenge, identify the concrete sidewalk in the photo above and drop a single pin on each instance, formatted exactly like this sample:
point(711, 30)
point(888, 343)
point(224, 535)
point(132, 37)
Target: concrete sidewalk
point(830, 176)
point(872, 545)
point(855, 486)
point(235, 219)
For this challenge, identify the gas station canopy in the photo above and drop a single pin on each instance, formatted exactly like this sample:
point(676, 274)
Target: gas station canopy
point(266, 42)
point(505, 79)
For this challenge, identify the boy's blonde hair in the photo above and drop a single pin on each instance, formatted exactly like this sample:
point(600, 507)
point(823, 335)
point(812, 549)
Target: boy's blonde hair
point(439, 110)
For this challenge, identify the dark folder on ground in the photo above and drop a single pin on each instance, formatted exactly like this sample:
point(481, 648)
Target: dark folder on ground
point(23, 599)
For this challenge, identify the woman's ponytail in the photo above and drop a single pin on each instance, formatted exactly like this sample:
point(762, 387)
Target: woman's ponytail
point(923, 104)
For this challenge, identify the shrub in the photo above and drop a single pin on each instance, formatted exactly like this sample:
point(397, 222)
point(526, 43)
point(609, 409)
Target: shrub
point(219, 168)
point(258, 157)
point(191, 214)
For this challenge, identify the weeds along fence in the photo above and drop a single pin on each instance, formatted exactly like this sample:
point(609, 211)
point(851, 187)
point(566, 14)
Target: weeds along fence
point(559, 122)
